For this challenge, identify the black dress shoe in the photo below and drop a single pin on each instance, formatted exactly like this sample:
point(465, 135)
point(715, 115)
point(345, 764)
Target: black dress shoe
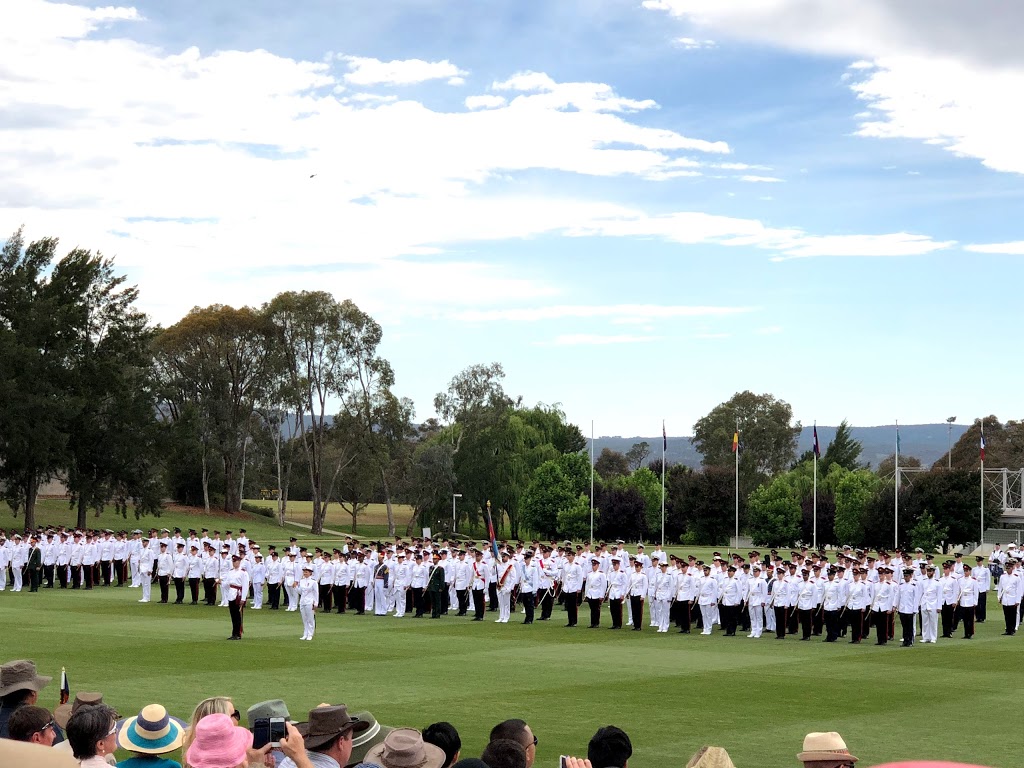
point(636, 629)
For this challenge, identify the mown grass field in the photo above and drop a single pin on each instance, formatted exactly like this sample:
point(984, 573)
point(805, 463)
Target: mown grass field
point(671, 693)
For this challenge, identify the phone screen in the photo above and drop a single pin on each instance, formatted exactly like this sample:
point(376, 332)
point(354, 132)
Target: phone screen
point(277, 729)
point(561, 761)
point(260, 732)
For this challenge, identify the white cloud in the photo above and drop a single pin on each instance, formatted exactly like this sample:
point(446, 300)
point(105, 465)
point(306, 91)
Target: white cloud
point(1013, 249)
point(368, 71)
point(618, 313)
point(577, 339)
point(693, 44)
point(897, 244)
point(485, 101)
point(760, 179)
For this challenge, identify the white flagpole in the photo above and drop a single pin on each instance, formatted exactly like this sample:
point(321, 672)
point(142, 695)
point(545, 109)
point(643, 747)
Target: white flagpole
point(664, 440)
point(982, 539)
point(815, 451)
point(896, 533)
point(737, 446)
point(591, 482)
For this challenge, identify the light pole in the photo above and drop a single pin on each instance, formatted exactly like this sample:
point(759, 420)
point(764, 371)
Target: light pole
point(454, 497)
point(949, 442)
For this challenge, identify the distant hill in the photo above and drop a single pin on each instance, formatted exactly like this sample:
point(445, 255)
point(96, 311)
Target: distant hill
point(926, 442)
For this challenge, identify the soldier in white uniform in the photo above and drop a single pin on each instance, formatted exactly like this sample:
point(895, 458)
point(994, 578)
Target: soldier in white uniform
point(147, 559)
point(617, 586)
point(970, 592)
point(707, 599)
point(757, 596)
point(308, 592)
point(595, 589)
point(664, 592)
point(258, 574)
point(908, 601)
point(984, 577)
point(572, 583)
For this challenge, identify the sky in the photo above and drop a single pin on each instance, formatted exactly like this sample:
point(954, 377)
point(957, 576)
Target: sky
point(637, 207)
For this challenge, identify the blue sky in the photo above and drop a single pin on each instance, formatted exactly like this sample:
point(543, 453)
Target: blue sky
point(639, 208)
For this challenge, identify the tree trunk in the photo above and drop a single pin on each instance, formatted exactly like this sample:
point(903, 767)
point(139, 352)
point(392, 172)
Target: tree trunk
point(241, 482)
point(31, 491)
point(206, 482)
point(82, 511)
point(280, 485)
point(387, 503)
point(232, 502)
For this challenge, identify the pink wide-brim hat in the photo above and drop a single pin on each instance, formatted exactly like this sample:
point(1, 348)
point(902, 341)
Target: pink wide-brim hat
point(218, 743)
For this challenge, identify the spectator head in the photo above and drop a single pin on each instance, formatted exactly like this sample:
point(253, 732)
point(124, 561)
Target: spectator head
point(271, 708)
point(92, 731)
point(33, 724)
point(329, 731)
point(20, 684)
point(215, 705)
point(710, 757)
point(151, 732)
point(609, 748)
point(64, 712)
point(218, 743)
point(825, 750)
point(445, 737)
point(519, 732)
point(405, 748)
point(504, 753)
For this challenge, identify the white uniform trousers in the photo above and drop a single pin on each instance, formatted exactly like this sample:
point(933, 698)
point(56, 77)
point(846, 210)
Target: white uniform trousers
point(292, 593)
point(16, 570)
point(398, 597)
point(147, 587)
point(3, 579)
point(133, 565)
point(707, 613)
point(380, 597)
point(223, 594)
point(929, 625)
point(505, 606)
point(368, 597)
point(257, 596)
point(769, 618)
point(308, 621)
point(663, 614)
point(756, 620)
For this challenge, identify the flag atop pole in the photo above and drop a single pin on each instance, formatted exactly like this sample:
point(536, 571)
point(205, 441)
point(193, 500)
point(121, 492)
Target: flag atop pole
point(983, 441)
point(817, 453)
point(490, 533)
point(817, 448)
point(736, 441)
point(65, 689)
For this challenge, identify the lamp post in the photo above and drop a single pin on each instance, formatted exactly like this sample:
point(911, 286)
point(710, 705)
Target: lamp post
point(454, 497)
point(949, 442)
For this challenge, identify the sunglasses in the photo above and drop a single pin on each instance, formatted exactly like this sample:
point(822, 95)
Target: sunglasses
point(113, 728)
point(51, 724)
point(236, 715)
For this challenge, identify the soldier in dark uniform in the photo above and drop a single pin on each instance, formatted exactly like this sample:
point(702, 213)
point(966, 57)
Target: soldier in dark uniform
point(436, 588)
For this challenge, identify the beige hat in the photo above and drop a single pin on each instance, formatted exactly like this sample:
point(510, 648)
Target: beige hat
point(64, 712)
point(711, 757)
point(21, 675)
point(36, 755)
point(825, 746)
point(405, 748)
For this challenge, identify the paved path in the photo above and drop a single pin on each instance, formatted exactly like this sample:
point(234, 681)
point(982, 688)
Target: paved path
point(327, 531)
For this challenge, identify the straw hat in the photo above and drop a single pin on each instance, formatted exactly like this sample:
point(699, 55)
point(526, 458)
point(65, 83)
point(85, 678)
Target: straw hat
point(825, 746)
point(711, 757)
point(151, 732)
point(405, 748)
point(63, 713)
point(36, 755)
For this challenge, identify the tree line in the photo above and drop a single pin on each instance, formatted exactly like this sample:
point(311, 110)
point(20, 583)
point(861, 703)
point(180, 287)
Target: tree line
point(295, 396)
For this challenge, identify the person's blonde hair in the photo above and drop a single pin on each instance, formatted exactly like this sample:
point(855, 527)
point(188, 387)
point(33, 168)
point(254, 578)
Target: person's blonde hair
point(215, 705)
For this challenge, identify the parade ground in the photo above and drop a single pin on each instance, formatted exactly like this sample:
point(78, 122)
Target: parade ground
point(671, 693)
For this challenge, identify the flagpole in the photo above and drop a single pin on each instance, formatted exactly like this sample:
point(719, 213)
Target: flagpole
point(664, 445)
point(896, 533)
point(815, 537)
point(982, 540)
point(591, 482)
point(737, 452)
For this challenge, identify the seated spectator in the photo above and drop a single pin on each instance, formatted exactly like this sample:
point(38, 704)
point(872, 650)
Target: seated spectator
point(710, 757)
point(609, 748)
point(213, 705)
point(327, 736)
point(19, 687)
point(92, 731)
point(405, 748)
point(362, 743)
point(63, 713)
point(32, 724)
point(504, 753)
point(25, 754)
point(519, 732)
point(445, 737)
point(825, 750)
point(148, 735)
